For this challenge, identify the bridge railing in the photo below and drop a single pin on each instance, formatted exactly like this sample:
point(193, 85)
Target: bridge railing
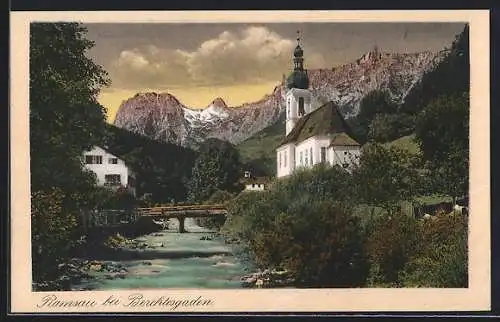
point(109, 217)
point(159, 210)
point(183, 207)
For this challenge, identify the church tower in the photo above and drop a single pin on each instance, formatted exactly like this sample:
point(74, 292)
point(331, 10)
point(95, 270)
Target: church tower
point(298, 96)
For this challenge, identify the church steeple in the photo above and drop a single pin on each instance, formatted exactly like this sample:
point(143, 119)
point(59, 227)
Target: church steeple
point(298, 78)
point(298, 54)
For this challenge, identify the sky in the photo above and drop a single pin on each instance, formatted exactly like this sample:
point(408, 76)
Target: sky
point(235, 61)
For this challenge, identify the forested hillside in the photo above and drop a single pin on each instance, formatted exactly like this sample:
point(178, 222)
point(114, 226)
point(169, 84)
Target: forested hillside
point(162, 169)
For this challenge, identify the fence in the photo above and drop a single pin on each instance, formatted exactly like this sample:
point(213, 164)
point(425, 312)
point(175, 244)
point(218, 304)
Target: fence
point(108, 217)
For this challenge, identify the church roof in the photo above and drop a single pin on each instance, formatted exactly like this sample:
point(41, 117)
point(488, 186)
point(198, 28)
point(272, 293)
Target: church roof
point(325, 120)
point(298, 79)
point(342, 139)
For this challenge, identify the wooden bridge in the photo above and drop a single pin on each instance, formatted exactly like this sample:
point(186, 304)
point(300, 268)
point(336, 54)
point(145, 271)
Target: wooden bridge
point(114, 218)
point(182, 212)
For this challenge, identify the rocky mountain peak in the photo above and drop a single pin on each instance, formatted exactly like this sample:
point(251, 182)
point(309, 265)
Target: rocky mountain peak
point(219, 103)
point(162, 116)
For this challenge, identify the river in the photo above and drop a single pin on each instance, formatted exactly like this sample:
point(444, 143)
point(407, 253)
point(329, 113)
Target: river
point(173, 260)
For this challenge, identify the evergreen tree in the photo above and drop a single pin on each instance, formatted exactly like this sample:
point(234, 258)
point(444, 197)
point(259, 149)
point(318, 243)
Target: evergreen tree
point(443, 135)
point(452, 75)
point(374, 103)
point(217, 167)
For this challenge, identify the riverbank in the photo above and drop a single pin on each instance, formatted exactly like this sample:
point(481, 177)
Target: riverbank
point(100, 246)
point(200, 258)
point(259, 277)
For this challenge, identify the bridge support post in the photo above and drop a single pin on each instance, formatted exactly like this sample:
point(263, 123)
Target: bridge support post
point(181, 224)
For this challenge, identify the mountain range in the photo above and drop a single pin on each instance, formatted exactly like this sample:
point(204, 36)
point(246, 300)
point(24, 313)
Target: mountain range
point(162, 116)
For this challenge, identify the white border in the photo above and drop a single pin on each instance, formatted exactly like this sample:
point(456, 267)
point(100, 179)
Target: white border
point(476, 297)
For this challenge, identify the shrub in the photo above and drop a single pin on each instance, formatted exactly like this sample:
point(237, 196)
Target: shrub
point(52, 227)
point(219, 197)
point(391, 242)
point(327, 246)
point(302, 224)
point(441, 260)
point(109, 199)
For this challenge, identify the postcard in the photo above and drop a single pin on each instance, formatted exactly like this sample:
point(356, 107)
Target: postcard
point(250, 161)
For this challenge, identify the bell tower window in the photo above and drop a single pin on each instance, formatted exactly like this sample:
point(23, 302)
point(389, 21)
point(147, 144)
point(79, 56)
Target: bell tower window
point(301, 106)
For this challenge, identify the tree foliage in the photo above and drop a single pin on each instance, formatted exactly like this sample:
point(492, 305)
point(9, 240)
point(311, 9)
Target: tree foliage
point(65, 121)
point(441, 256)
point(386, 176)
point(374, 103)
point(65, 117)
point(303, 224)
point(452, 75)
point(391, 243)
point(443, 135)
point(217, 167)
point(388, 127)
point(52, 227)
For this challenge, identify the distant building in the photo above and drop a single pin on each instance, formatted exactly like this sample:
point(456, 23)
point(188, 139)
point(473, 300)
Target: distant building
point(254, 183)
point(313, 134)
point(111, 171)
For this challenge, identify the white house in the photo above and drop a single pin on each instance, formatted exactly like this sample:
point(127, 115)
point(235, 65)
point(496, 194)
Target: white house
point(110, 170)
point(254, 183)
point(313, 134)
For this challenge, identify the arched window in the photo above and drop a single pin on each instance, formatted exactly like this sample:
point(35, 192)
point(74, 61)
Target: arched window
point(301, 106)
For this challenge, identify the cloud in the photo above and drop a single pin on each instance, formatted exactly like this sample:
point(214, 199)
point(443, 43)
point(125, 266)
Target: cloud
point(252, 55)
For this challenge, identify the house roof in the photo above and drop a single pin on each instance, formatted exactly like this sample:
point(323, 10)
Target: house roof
point(342, 139)
point(256, 180)
point(326, 120)
point(114, 153)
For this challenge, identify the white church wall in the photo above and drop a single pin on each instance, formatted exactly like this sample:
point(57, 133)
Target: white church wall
point(286, 154)
point(321, 142)
point(312, 147)
point(344, 154)
point(303, 153)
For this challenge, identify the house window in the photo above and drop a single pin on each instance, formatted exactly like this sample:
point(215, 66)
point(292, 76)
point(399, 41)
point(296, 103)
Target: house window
point(286, 156)
point(113, 160)
point(311, 155)
point(112, 179)
point(93, 159)
point(301, 106)
point(323, 154)
point(305, 158)
point(253, 185)
point(279, 159)
point(300, 162)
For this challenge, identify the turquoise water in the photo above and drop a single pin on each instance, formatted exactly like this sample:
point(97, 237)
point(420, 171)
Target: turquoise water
point(174, 261)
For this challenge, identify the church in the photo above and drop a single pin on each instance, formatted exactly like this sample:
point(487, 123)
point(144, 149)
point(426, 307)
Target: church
point(313, 134)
